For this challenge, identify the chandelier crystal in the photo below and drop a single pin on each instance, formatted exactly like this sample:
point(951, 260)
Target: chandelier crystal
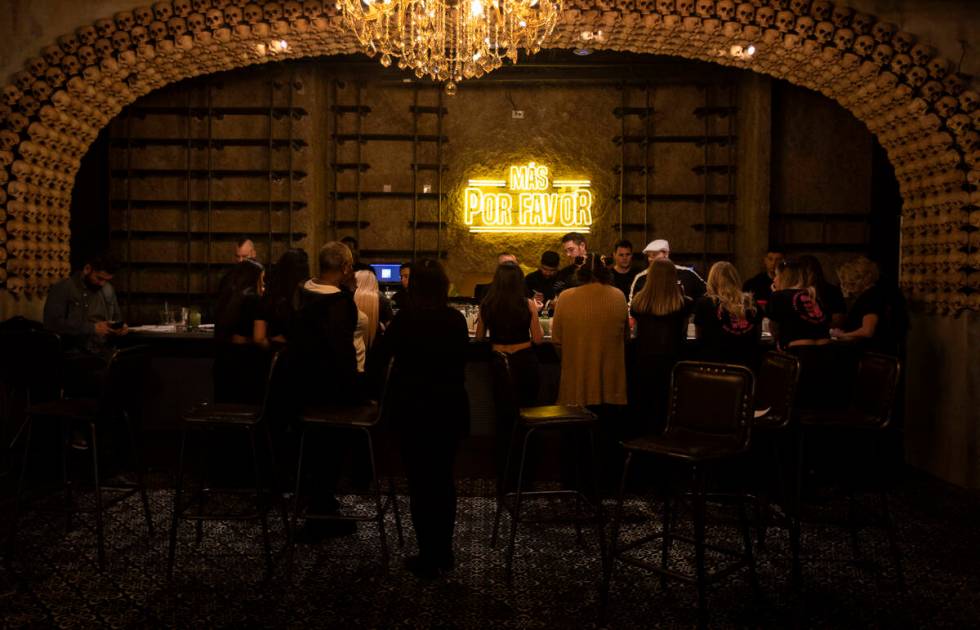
point(450, 40)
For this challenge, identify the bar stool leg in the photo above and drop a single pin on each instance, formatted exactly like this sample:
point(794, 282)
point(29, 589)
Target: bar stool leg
point(18, 503)
point(796, 518)
point(175, 518)
point(699, 516)
point(607, 572)
point(393, 498)
point(578, 488)
point(299, 480)
point(749, 557)
point(65, 481)
point(137, 462)
point(665, 538)
point(260, 504)
point(502, 485)
point(515, 516)
point(99, 524)
point(378, 501)
point(597, 494)
point(277, 486)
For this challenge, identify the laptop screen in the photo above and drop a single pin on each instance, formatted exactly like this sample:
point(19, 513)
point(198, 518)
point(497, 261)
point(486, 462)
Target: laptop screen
point(387, 274)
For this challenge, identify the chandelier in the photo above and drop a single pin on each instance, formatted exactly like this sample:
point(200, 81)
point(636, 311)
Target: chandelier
point(450, 40)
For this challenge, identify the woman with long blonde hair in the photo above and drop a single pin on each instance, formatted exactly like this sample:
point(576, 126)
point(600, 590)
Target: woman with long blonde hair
point(727, 321)
point(368, 300)
point(796, 312)
point(661, 312)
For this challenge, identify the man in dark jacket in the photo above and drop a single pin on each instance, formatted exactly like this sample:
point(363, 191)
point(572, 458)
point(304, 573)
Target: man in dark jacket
point(323, 365)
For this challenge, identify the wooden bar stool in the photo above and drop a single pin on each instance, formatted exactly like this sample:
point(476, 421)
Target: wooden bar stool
point(122, 387)
point(708, 423)
point(363, 419)
point(251, 420)
point(527, 421)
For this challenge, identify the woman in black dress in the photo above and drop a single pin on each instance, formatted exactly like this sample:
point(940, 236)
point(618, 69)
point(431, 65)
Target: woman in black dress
point(727, 321)
point(238, 367)
point(279, 302)
point(429, 409)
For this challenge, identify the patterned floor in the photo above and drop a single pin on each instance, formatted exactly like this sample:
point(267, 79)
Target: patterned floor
point(54, 581)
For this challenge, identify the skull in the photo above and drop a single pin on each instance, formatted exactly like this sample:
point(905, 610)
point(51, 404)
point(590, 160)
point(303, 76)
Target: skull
point(862, 23)
point(312, 8)
point(883, 54)
point(214, 19)
point(24, 80)
point(864, 45)
point(37, 66)
point(139, 35)
point(841, 16)
point(196, 22)
point(884, 32)
point(968, 101)
point(764, 17)
point(68, 43)
point(177, 26)
point(932, 90)
point(916, 76)
point(103, 47)
point(823, 32)
point(785, 21)
point(120, 40)
point(954, 84)
point(901, 63)
point(272, 12)
point(143, 15)
point(252, 13)
point(124, 20)
point(54, 76)
point(903, 42)
point(939, 67)
point(165, 46)
point(86, 54)
point(182, 8)
point(292, 10)
point(745, 13)
point(105, 27)
point(11, 94)
point(52, 54)
point(158, 31)
point(844, 38)
point(706, 8)
point(163, 11)
point(921, 54)
point(41, 90)
point(958, 124)
point(946, 106)
point(70, 65)
point(201, 6)
point(28, 105)
point(233, 15)
point(684, 7)
point(804, 26)
point(86, 35)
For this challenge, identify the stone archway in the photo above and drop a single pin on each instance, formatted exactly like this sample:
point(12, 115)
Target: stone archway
point(923, 112)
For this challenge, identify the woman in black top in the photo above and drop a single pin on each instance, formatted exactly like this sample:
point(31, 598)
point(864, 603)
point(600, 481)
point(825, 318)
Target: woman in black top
point(798, 317)
point(511, 321)
point(430, 409)
point(727, 320)
point(661, 312)
point(830, 295)
point(279, 303)
point(877, 318)
point(238, 373)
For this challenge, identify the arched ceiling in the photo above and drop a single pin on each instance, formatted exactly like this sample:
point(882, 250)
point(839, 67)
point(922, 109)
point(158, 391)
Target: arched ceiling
point(925, 114)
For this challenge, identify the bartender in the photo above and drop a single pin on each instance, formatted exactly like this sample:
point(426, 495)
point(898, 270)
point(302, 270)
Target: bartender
point(693, 285)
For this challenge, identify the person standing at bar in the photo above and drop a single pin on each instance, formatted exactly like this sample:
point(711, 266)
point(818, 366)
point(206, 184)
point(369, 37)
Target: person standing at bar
point(878, 318)
point(661, 311)
point(480, 290)
point(400, 299)
point(430, 410)
point(245, 250)
point(575, 248)
point(541, 283)
point(830, 295)
point(355, 251)
point(237, 362)
point(728, 322)
point(279, 303)
point(623, 271)
point(659, 249)
point(760, 285)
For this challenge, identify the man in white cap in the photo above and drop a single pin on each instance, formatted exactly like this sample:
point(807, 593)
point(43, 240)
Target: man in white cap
point(693, 285)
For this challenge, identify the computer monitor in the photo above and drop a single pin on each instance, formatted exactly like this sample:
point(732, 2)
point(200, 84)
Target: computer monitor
point(387, 274)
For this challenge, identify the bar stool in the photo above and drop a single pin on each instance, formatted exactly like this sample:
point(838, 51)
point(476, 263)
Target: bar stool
point(364, 419)
point(708, 423)
point(868, 416)
point(122, 388)
point(775, 396)
point(231, 418)
point(527, 421)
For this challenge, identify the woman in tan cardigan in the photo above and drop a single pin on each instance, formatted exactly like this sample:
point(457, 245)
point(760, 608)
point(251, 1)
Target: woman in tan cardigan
point(590, 328)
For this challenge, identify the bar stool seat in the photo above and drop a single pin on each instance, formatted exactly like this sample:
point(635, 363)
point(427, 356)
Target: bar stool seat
point(359, 416)
point(228, 417)
point(71, 408)
point(556, 414)
point(688, 445)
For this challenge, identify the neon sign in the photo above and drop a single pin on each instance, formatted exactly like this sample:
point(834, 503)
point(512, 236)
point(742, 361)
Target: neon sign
point(532, 202)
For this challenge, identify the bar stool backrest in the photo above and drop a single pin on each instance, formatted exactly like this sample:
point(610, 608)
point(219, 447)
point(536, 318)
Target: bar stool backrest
point(876, 386)
point(775, 390)
point(124, 383)
point(32, 364)
point(711, 398)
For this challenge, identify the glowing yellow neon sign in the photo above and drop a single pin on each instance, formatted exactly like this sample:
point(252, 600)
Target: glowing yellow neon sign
point(533, 202)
